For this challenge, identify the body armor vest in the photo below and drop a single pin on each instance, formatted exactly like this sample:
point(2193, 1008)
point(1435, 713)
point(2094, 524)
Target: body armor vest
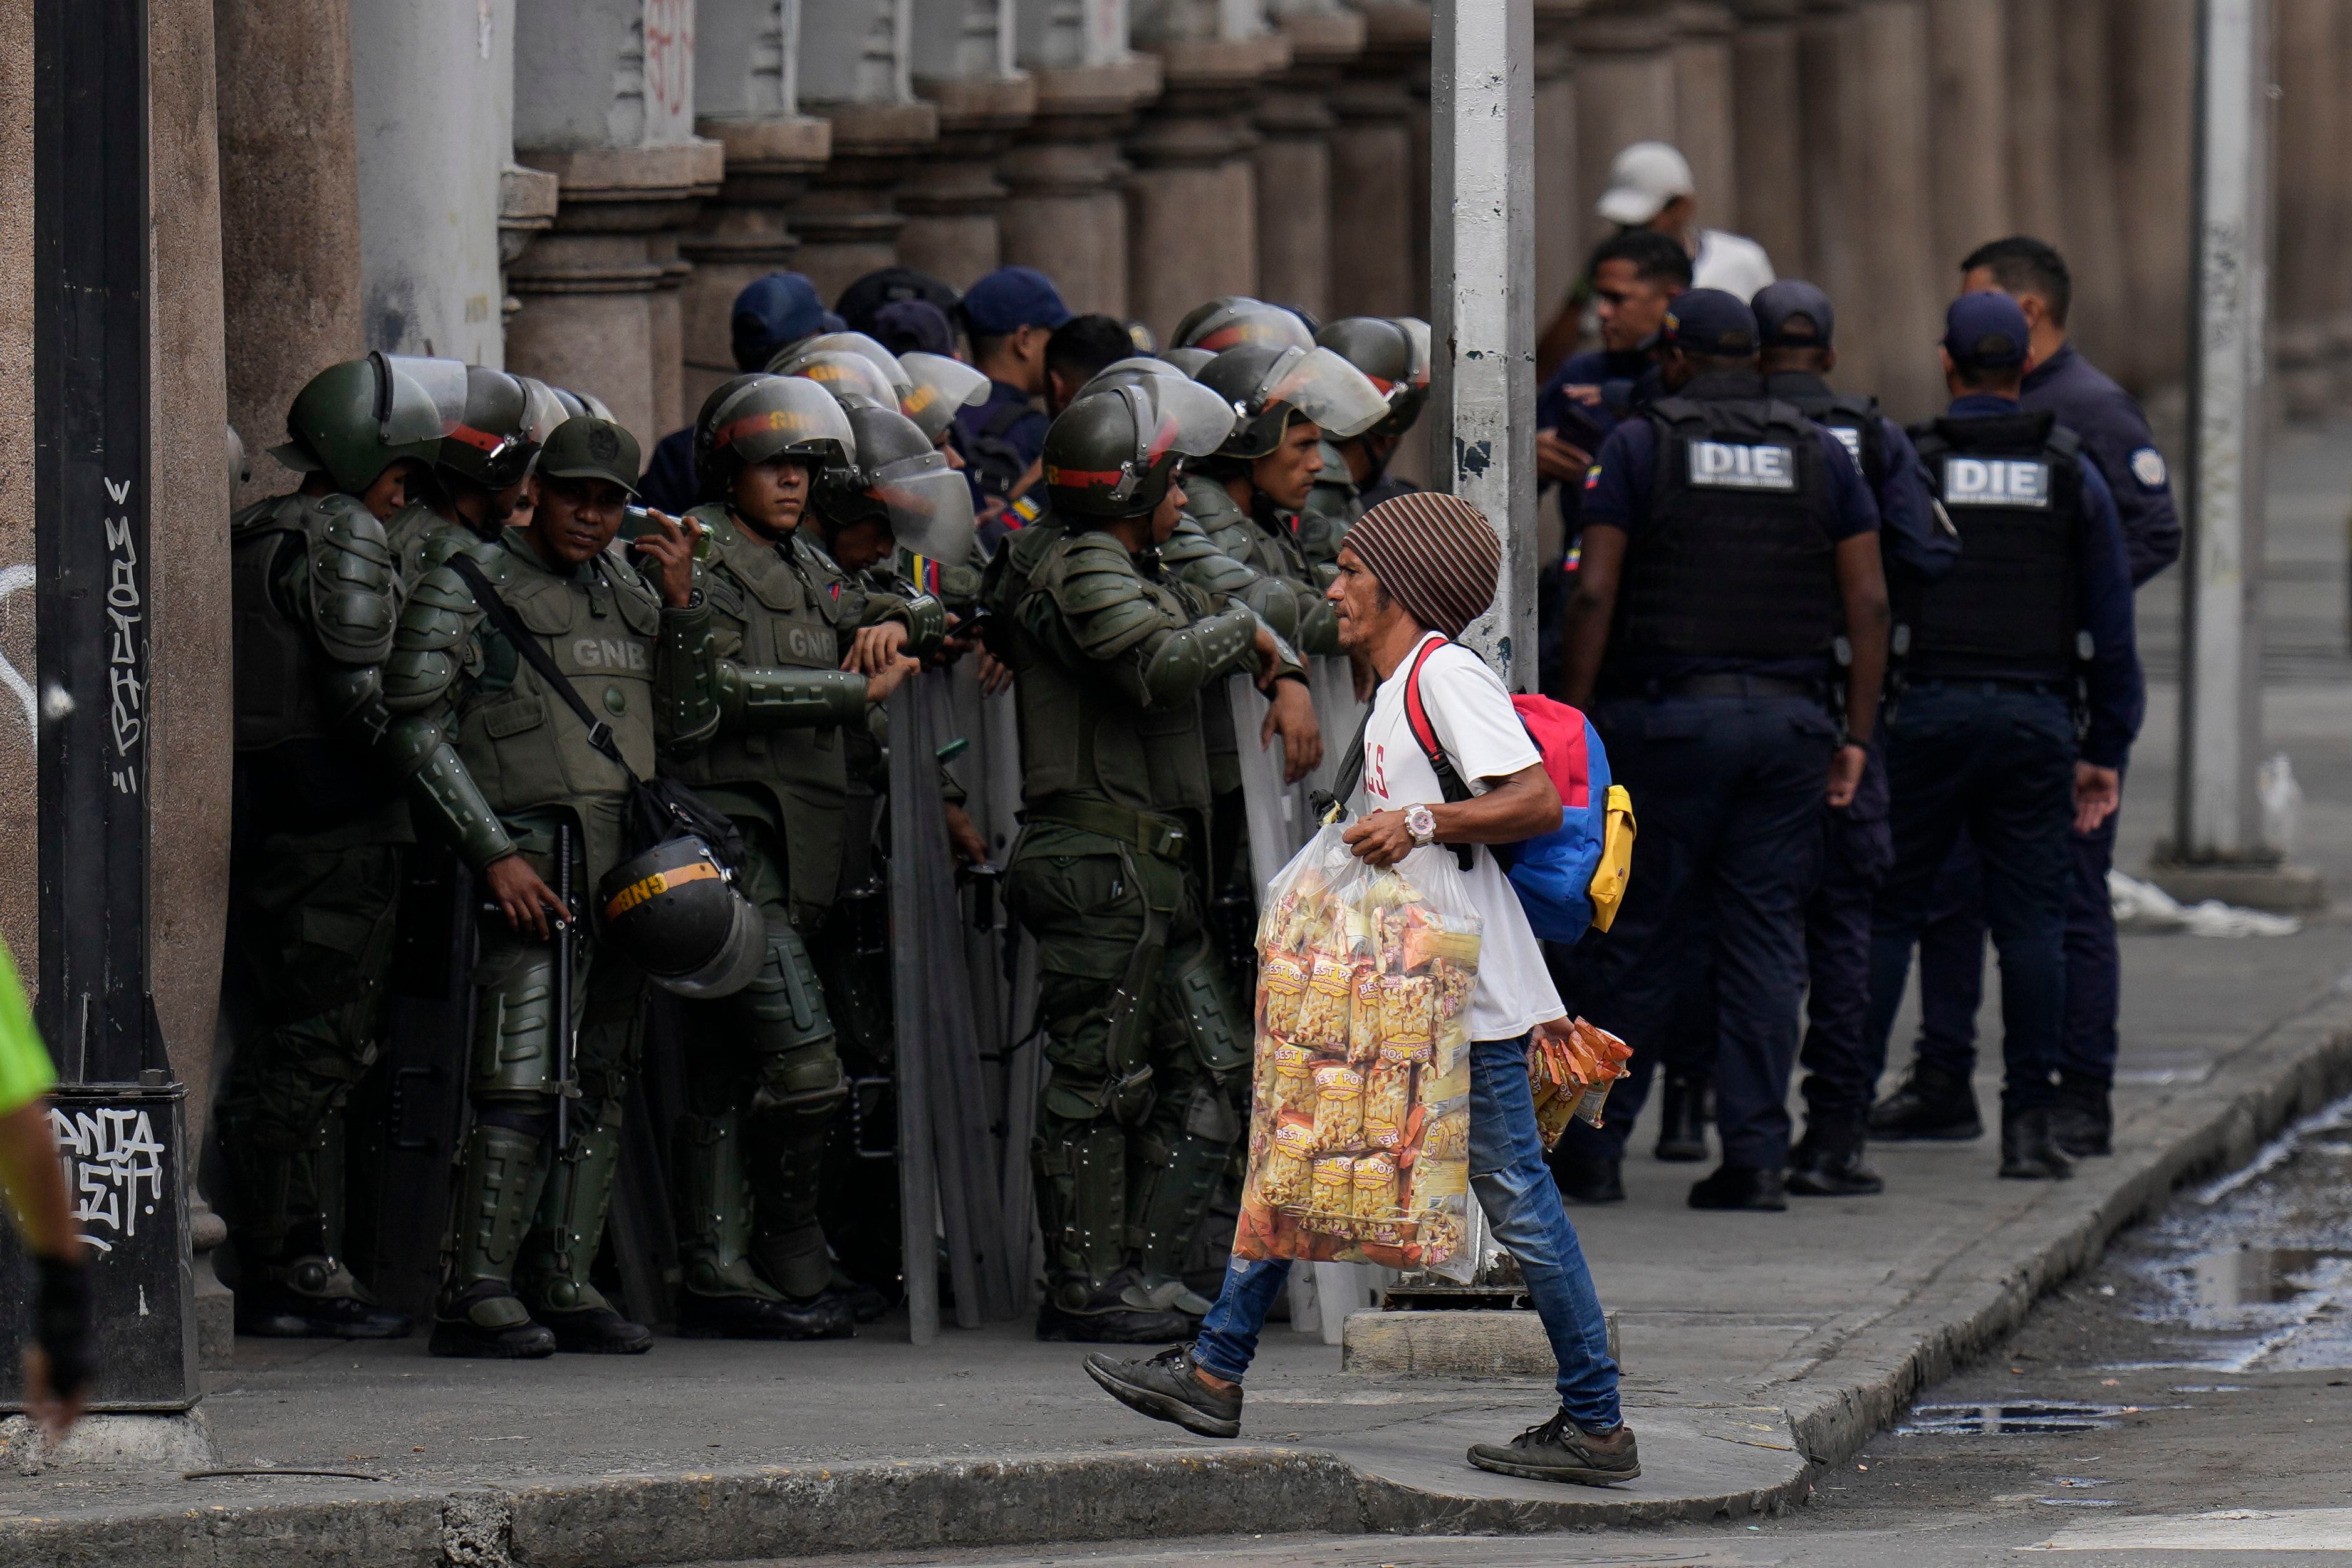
point(1735, 560)
point(1855, 421)
point(277, 665)
point(1081, 733)
point(2012, 485)
point(524, 745)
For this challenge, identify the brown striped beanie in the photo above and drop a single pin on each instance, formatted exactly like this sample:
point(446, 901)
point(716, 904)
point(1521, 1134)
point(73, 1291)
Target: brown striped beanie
point(1435, 552)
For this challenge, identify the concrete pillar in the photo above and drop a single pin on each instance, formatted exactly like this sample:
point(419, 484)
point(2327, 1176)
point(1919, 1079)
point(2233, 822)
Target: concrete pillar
point(2310, 242)
point(1904, 310)
point(1067, 212)
point(2104, 317)
point(1703, 99)
point(1372, 213)
point(289, 212)
point(189, 668)
point(432, 102)
point(1624, 92)
point(1191, 212)
point(605, 101)
point(2155, 78)
point(857, 71)
point(1837, 205)
point(2339, 190)
point(1557, 197)
point(1969, 129)
point(746, 99)
point(1767, 124)
point(20, 895)
point(2036, 205)
point(954, 200)
point(1293, 162)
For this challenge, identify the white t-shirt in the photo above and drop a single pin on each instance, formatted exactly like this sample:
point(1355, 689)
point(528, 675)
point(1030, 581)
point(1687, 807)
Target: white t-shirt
point(1480, 733)
point(1733, 263)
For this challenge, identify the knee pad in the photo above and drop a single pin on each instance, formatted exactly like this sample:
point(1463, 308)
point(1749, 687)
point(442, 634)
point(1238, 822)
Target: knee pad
point(1197, 1013)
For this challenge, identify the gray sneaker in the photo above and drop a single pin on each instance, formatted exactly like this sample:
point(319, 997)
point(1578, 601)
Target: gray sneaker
point(1168, 1388)
point(1559, 1450)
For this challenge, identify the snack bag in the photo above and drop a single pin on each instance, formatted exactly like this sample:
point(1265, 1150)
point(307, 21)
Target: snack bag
point(1284, 1176)
point(1364, 1012)
point(1338, 1107)
point(1294, 1082)
point(1332, 1204)
point(1323, 1011)
point(1388, 1103)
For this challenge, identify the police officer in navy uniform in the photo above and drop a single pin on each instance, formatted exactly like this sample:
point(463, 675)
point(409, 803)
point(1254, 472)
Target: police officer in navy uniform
point(1935, 1101)
point(1729, 543)
point(1010, 315)
point(2039, 603)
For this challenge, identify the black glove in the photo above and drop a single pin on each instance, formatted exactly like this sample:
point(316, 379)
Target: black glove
point(62, 1325)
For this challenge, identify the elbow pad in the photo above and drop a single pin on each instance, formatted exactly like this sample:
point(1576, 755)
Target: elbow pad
point(765, 699)
point(1318, 627)
point(686, 675)
point(927, 625)
point(440, 787)
point(1276, 603)
point(353, 695)
point(1186, 660)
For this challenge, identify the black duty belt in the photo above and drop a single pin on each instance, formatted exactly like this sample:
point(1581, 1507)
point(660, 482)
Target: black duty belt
point(1164, 837)
point(1731, 686)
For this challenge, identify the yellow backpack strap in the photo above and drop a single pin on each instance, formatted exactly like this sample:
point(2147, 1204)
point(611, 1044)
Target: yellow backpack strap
point(1616, 868)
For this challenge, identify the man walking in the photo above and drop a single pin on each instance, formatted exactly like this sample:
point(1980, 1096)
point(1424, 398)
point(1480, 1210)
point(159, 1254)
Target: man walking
point(1417, 568)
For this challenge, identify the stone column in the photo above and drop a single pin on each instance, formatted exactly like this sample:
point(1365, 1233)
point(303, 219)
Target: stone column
point(1904, 307)
point(2036, 205)
point(1836, 205)
point(745, 100)
point(605, 101)
point(1703, 99)
point(20, 907)
point(953, 199)
point(1624, 92)
point(289, 212)
point(2155, 78)
point(1067, 212)
point(856, 72)
point(1374, 210)
point(2103, 317)
point(1767, 122)
point(2310, 242)
point(1293, 162)
point(1969, 129)
point(1557, 197)
point(433, 95)
point(189, 666)
point(1191, 210)
point(2340, 193)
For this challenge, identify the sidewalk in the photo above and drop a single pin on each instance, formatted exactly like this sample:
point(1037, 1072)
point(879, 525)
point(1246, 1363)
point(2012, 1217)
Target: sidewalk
point(1755, 1345)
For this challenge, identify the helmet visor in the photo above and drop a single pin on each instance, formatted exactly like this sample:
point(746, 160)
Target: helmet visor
point(929, 506)
point(442, 381)
point(855, 381)
point(939, 387)
point(893, 368)
point(1248, 322)
point(780, 414)
point(1416, 333)
point(542, 411)
point(1327, 389)
point(1173, 415)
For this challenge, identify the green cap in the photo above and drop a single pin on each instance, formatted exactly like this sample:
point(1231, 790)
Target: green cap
point(586, 447)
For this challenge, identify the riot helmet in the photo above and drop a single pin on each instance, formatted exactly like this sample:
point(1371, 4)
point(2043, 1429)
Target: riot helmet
point(1264, 386)
point(893, 368)
point(901, 480)
point(1133, 366)
point(778, 417)
point(1188, 361)
point(1113, 452)
point(1394, 354)
point(941, 386)
point(852, 378)
point(706, 470)
point(676, 914)
point(1232, 320)
point(353, 421)
point(543, 410)
point(492, 445)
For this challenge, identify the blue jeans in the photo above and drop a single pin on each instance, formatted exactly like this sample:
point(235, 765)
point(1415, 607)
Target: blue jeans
point(1516, 1189)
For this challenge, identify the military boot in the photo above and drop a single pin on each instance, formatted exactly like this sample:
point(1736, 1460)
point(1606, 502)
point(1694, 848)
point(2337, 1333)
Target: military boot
point(1827, 1162)
point(1931, 1104)
point(1167, 1205)
point(2029, 1146)
point(721, 1295)
point(2084, 1122)
point(1682, 1118)
point(562, 1247)
point(498, 1187)
point(313, 1296)
point(787, 1237)
point(1106, 1311)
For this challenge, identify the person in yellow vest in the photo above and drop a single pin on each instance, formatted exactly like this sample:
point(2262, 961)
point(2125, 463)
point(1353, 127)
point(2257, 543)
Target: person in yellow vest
point(60, 1361)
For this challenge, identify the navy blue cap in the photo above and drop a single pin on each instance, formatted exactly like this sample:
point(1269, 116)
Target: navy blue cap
point(905, 326)
point(1985, 332)
point(772, 311)
point(1709, 322)
point(1012, 297)
point(1793, 314)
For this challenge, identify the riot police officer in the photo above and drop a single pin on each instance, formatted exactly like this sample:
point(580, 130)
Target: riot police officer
point(1985, 739)
point(321, 841)
point(498, 757)
point(478, 469)
point(1394, 354)
point(771, 315)
point(1728, 541)
point(803, 649)
point(1146, 1046)
point(1238, 320)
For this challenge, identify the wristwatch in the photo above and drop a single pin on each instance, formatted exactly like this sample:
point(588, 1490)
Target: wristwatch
point(1422, 823)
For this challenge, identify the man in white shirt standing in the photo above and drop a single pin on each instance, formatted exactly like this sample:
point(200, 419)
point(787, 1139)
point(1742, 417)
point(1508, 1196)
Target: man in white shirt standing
point(1650, 187)
point(1415, 569)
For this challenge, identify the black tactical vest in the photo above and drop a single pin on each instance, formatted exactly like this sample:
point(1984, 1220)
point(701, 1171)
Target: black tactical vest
point(276, 666)
point(2013, 489)
point(1855, 421)
point(1735, 560)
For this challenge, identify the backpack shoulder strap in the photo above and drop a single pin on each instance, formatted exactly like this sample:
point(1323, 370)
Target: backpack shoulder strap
point(502, 616)
point(1416, 714)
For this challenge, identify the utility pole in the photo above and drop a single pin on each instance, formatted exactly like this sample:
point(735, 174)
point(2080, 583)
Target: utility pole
point(1482, 111)
point(2217, 846)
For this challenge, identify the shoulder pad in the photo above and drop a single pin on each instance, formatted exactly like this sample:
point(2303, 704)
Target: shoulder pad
point(348, 526)
point(442, 589)
point(274, 511)
point(354, 591)
point(1103, 599)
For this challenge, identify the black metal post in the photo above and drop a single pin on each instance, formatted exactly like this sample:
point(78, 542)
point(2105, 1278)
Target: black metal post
point(91, 501)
